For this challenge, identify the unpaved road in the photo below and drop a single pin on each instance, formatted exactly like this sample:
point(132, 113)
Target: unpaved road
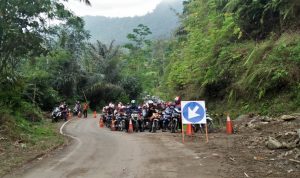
point(98, 152)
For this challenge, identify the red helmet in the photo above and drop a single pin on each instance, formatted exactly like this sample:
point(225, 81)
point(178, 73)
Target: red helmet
point(177, 100)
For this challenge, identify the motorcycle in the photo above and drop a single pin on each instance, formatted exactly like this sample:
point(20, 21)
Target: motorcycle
point(136, 121)
point(165, 119)
point(145, 120)
point(56, 114)
point(201, 127)
point(108, 120)
point(120, 123)
point(175, 119)
point(76, 111)
point(155, 122)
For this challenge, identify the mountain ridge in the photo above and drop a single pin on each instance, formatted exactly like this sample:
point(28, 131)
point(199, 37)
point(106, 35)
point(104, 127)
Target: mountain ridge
point(162, 22)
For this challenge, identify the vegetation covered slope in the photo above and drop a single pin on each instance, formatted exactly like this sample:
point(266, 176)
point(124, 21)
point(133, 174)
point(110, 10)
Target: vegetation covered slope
point(238, 55)
point(241, 56)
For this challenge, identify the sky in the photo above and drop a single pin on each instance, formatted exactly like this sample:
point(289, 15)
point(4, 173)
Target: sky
point(113, 8)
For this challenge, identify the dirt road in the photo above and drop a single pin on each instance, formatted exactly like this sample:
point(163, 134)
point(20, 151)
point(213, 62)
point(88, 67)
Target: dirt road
point(98, 152)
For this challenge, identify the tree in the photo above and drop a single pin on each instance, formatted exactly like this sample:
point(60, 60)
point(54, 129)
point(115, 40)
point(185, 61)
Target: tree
point(132, 86)
point(139, 37)
point(105, 59)
point(258, 18)
point(72, 38)
point(25, 34)
point(23, 30)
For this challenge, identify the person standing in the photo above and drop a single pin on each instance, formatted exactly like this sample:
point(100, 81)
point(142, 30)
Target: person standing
point(77, 109)
point(85, 108)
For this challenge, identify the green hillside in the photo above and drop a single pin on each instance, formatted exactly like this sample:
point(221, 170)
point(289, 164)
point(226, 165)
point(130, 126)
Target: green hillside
point(240, 56)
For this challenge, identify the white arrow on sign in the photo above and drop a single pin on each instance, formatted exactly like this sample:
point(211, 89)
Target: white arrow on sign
point(193, 113)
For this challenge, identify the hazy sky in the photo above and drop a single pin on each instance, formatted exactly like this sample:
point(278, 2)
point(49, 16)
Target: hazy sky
point(114, 8)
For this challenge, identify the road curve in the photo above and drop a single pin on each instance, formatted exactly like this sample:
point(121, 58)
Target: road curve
point(100, 153)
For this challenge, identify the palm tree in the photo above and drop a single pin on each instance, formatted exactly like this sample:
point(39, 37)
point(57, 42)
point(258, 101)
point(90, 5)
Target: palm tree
point(105, 59)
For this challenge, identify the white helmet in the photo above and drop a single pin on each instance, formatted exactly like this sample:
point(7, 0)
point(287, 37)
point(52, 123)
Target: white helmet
point(150, 102)
point(112, 105)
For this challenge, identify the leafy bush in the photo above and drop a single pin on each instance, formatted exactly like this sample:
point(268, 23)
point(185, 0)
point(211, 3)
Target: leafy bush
point(105, 93)
point(30, 112)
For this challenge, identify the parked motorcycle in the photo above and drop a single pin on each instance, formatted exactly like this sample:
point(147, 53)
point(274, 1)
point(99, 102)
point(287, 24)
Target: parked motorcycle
point(155, 122)
point(56, 114)
point(175, 119)
point(165, 119)
point(76, 111)
point(136, 121)
point(120, 123)
point(201, 127)
point(108, 120)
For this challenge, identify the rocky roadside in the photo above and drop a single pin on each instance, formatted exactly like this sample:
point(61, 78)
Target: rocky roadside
point(260, 147)
point(270, 146)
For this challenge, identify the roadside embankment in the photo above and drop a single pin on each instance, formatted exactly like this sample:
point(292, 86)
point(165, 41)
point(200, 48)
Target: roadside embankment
point(22, 141)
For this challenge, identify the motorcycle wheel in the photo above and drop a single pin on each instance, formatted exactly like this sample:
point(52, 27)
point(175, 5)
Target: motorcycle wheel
point(195, 128)
point(173, 126)
point(136, 126)
point(154, 126)
point(142, 127)
point(210, 126)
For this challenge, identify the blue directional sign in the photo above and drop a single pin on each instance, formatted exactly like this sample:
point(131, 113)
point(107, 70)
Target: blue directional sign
point(193, 112)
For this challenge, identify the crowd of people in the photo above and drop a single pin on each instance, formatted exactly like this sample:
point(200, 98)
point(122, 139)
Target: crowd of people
point(150, 115)
point(62, 111)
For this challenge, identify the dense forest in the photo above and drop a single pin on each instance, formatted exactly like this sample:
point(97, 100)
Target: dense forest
point(240, 56)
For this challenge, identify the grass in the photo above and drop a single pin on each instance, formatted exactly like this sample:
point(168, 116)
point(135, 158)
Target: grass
point(22, 140)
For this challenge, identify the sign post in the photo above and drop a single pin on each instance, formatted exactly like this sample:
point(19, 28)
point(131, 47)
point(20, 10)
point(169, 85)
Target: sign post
point(182, 130)
point(193, 112)
point(206, 133)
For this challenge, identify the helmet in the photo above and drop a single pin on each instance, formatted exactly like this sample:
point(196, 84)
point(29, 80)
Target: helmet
point(112, 105)
point(132, 101)
point(150, 102)
point(177, 100)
